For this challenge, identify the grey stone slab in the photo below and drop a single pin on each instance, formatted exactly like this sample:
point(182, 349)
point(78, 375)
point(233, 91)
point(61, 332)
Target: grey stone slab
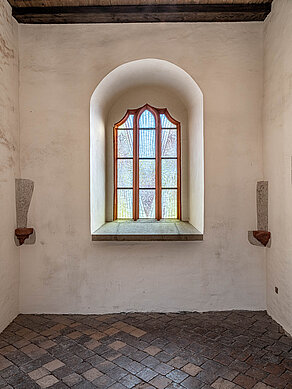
point(23, 194)
point(262, 205)
point(186, 228)
point(146, 230)
point(108, 228)
point(137, 228)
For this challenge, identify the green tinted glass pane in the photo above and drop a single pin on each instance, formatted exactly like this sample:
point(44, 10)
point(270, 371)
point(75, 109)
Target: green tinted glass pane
point(146, 204)
point(128, 123)
point(125, 143)
point(165, 123)
point(169, 173)
point(147, 143)
point(169, 203)
point(169, 143)
point(125, 204)
point(125, 173)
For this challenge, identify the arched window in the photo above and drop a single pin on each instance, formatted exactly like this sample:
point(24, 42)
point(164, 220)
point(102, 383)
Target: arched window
point(147, 165)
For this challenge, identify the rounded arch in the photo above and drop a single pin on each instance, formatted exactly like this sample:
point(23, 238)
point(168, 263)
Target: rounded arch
point(140, 73)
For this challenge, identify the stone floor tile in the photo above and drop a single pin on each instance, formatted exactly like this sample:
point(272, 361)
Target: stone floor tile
point(84, 385)
point(163, 368)
point(177, 376)
point(191, 369)
point(220, 383)
point(54, 365)
point(117, 373)
point(177, 362)
point(152, 350)
point(117, 385)
point(138, 333)
point(245, 381)
point(47, 381)
point(103, 382)
point(74, 335)
point(92, 374)
point(275, 381)
point(150, 362)
point(72, 379)
point(130, 381)
point(192, 383)
point(38, 373)
point(33, 351)
point(261, 385)
point(4, 363)
point(160, 382)
point(117, 345)
point(7, 350)
point(146, 374)
point(47, 344)
point(9, 371)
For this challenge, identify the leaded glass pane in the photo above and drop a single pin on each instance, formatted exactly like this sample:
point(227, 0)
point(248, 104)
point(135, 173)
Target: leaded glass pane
point(125, 173)
point(165, 123)
point(128, 123)
point(147, 120)
point(147, 143)
point(169, 173)
point(169, 203)
point(169, 143)
point(146, 204)
point(125, 143)
point(147, 173)
point(125, 204)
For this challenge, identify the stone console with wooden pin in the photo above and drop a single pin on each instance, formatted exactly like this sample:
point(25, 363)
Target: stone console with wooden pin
point(261, 236)
point(23, 194)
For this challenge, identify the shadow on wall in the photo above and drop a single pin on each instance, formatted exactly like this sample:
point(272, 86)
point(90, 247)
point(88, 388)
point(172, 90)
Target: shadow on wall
point(157, 73)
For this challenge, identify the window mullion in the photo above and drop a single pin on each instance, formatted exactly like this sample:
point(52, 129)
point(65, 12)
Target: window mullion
point(115, 174)
point(178, 134)
point(136, 168)
point(158, 168)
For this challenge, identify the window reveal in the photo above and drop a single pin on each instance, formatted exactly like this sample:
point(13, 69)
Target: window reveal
point(147, 169)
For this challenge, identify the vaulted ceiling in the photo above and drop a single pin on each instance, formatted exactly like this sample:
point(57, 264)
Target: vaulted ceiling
point(139, 11)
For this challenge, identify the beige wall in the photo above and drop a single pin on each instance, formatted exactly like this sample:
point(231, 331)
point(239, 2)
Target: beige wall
point(9, 165)
point(66, 272)
point(278, 158)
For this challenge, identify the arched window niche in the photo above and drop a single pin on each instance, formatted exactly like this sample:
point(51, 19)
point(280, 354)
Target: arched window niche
point(157, 83)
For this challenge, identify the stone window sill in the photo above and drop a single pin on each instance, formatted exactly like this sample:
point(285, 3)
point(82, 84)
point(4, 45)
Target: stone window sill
point(147, 230)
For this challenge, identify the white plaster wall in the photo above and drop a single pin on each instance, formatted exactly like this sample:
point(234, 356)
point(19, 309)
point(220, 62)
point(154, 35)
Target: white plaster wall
point(278, 158)
point(66, 272)
point(9, 165)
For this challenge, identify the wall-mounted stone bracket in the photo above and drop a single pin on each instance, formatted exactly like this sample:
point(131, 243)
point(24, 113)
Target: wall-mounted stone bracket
point(261, 237)
point(23, 194)
point(22, 234)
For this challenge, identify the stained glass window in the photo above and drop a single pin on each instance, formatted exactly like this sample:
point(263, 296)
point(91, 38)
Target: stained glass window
point(147, 165)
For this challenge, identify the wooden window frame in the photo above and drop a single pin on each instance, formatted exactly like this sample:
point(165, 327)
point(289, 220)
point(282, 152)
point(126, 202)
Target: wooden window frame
point(158, 188)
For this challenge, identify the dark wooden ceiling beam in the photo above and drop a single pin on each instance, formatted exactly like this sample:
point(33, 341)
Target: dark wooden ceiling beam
point(143, 13)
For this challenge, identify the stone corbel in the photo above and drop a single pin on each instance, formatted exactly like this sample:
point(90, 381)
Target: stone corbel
point(261, 237)
point(23, 194)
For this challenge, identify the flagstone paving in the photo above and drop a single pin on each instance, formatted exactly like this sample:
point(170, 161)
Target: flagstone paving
point(214, 350)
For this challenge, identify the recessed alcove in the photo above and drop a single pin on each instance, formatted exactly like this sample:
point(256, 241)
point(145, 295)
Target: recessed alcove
point(131, 85)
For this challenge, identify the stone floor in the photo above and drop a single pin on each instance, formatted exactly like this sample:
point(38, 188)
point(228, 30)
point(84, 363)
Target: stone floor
point(239, 349)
